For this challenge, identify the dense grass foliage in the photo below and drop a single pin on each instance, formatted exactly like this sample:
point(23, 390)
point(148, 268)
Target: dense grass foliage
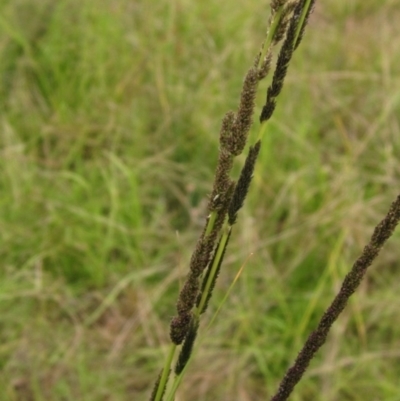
point(109, 119)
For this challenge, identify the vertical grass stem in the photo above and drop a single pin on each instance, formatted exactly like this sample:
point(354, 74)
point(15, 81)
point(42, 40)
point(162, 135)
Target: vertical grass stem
point(165, 373)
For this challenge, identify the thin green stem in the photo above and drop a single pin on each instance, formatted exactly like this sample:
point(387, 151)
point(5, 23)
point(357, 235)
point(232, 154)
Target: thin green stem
point(274, 26)
point(211, 222)
point(165, 373)
point(262, 130)
point(175, 385)
point(302, 19)
point(271, 31)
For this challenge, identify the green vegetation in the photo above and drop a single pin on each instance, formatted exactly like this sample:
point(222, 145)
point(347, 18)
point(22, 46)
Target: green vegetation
point(110, 114)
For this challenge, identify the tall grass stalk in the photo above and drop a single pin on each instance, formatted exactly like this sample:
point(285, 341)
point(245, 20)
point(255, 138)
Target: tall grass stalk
point(286, 25)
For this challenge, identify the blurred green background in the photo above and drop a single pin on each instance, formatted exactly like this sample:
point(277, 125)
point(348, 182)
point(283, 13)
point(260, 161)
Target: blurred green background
point(109, 120)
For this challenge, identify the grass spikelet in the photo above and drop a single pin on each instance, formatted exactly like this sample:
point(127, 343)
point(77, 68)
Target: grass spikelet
point(244, 117)
point(187, 347)
point(243, 184)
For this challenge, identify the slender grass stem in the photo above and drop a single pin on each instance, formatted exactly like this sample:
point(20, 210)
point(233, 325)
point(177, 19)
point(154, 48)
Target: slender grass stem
point(262, 131)
point(228, 292)
point(271, 32)
point(211, 222)
point(304, 12)
point(165, 373)
point(175, 385)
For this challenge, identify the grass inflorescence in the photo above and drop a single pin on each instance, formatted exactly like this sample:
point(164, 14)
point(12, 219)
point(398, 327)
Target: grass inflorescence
point(227, 196)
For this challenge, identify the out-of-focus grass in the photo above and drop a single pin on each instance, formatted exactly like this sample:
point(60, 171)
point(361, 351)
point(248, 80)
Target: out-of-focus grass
point(109, 120)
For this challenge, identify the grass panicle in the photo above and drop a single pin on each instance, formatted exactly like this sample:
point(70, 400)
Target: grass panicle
point(244, 117)
point(282, 64)
point(307, 10)
point(243, 184)
point(317, 338)
point(227, 197)
point(187, 347)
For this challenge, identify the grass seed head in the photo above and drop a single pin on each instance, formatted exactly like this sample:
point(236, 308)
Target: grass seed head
point(244, 116)
point(179, 327)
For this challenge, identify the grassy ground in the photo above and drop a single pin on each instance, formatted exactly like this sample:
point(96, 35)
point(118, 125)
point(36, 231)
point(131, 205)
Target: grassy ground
point(109, 120)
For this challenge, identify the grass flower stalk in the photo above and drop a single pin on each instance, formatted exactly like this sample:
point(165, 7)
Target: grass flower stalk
point(317, 338)
point(227, 195)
